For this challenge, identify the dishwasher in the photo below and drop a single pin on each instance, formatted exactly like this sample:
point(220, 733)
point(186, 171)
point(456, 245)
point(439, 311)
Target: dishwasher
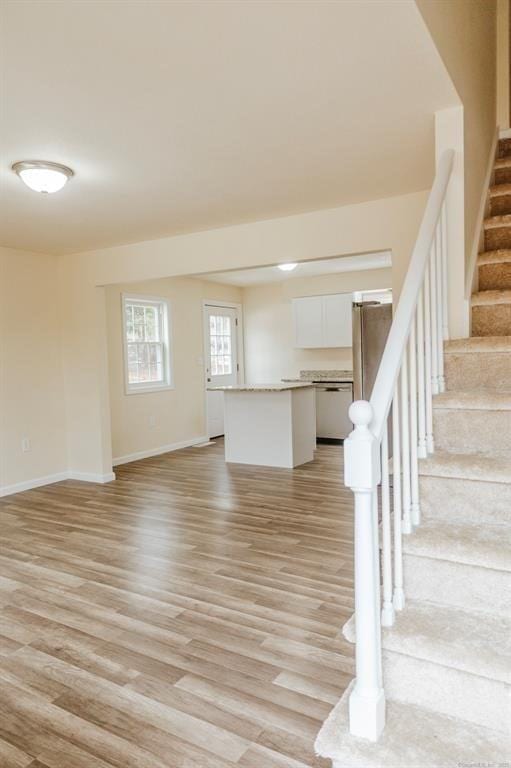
point(333, 400)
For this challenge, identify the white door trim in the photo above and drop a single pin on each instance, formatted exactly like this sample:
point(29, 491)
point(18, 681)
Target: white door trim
point(239, 338)
point(205, 344)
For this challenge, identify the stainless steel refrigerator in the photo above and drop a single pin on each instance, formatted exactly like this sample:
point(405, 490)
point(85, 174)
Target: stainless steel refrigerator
point(371, 326)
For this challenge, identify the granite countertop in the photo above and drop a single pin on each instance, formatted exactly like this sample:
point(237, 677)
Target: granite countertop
point(324, 375)
point(278, 387)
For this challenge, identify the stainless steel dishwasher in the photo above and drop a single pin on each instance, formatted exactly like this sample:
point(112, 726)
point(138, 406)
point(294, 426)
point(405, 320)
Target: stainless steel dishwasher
point(333, 400)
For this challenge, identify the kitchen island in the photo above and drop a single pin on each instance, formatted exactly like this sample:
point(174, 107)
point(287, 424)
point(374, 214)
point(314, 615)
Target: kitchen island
point(272, 425)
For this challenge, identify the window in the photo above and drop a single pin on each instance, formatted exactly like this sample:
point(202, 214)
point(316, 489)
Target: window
point(220, 342)
point(146, 343)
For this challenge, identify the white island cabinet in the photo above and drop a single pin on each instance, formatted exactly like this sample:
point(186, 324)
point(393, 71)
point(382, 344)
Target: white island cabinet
point(273, 425)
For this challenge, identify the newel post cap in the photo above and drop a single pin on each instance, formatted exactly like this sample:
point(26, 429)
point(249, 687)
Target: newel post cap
point(362, 470)
point(361, 413)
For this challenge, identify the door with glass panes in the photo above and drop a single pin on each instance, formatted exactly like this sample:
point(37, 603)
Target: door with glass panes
point(221, 361)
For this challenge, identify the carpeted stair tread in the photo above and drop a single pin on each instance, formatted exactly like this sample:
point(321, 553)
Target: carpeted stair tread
point(485, 546)
point(468, 641)
point(500, 189)
point(467, 466)
point(500, 256)
point(474, 400)
point(414, 737)
point(471, 642)
point(503, 220)
point(503, 162)
point(485, 298)
point(478, 344)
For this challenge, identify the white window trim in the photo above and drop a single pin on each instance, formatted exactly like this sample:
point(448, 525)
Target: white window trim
point(168, 362)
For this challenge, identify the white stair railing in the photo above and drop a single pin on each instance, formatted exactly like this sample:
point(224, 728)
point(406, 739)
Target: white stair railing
point(410, 373)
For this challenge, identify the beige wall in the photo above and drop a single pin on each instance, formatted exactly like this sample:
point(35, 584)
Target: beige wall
point(31, 377)
point(268, 324)
point(388, 224)
point(179, 413)
point(464, 32)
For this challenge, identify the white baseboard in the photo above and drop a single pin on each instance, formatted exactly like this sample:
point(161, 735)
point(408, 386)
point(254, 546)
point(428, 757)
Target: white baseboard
point(157, 451)
point(91, 477)
point(37, 482)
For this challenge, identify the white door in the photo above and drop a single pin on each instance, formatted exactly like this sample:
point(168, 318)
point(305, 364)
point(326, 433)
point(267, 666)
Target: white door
point(221, 352)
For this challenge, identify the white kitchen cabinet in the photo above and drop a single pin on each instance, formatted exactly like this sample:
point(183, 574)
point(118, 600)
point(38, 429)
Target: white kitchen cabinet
point(308, 321)
point(323, 321)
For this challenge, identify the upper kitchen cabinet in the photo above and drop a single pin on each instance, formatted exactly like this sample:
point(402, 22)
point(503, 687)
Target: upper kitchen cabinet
point(322, 321)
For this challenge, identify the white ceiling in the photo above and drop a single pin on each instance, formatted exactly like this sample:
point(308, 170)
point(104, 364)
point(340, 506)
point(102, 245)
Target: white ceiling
point(182, 116)
point(260, 275)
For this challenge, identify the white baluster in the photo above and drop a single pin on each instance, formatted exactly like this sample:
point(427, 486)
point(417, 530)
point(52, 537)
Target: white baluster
point(414, 464)
point(387, 614)
point(405, 445)
point(430, 443)
point(399, 595)
point(434, 322)
point(422, 450)
point(445, 277)
point(440, 309)
point(362, 475)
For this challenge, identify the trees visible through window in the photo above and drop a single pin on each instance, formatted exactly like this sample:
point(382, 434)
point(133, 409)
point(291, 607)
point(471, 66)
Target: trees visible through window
point(220, 339)
point(146, 342)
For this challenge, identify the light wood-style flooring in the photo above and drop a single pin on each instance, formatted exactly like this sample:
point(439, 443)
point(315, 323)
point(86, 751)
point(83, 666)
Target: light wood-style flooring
point(187, 615)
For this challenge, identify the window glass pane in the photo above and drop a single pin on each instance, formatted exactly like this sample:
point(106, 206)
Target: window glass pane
point(220, 345)
point(151, 324)
point(145, 350)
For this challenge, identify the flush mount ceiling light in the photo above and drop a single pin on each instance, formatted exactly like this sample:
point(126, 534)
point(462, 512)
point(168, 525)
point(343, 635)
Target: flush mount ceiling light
point(42, 176)
point(288, 267)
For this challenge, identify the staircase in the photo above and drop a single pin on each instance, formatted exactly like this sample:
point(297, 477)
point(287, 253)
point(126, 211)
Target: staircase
point(447, 658)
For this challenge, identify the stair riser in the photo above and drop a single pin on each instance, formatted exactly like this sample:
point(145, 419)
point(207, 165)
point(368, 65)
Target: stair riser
point(503, 175)
point(483, 589)
point(469, 431)
point(464, 501)
point(476, 371)
point(449, 691)
point(494, 277)
point(500, 205)
point(491, 320)
point(504, 149)
point(497, 237)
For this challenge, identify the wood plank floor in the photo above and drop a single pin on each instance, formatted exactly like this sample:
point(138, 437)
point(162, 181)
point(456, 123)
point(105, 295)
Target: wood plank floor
point(187, 615)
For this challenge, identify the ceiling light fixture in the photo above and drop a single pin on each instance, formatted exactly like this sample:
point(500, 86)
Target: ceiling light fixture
point(288, 267)
point(42, 176)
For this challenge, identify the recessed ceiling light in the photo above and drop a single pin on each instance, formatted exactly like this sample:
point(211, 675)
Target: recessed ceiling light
point(42, 176)
point(288, 267)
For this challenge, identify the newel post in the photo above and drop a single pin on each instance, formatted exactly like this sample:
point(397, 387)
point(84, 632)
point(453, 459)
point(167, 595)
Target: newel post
point(362, 471)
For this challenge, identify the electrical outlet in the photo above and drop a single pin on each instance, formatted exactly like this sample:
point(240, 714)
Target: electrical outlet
point(152, 421)
point(25, 444)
